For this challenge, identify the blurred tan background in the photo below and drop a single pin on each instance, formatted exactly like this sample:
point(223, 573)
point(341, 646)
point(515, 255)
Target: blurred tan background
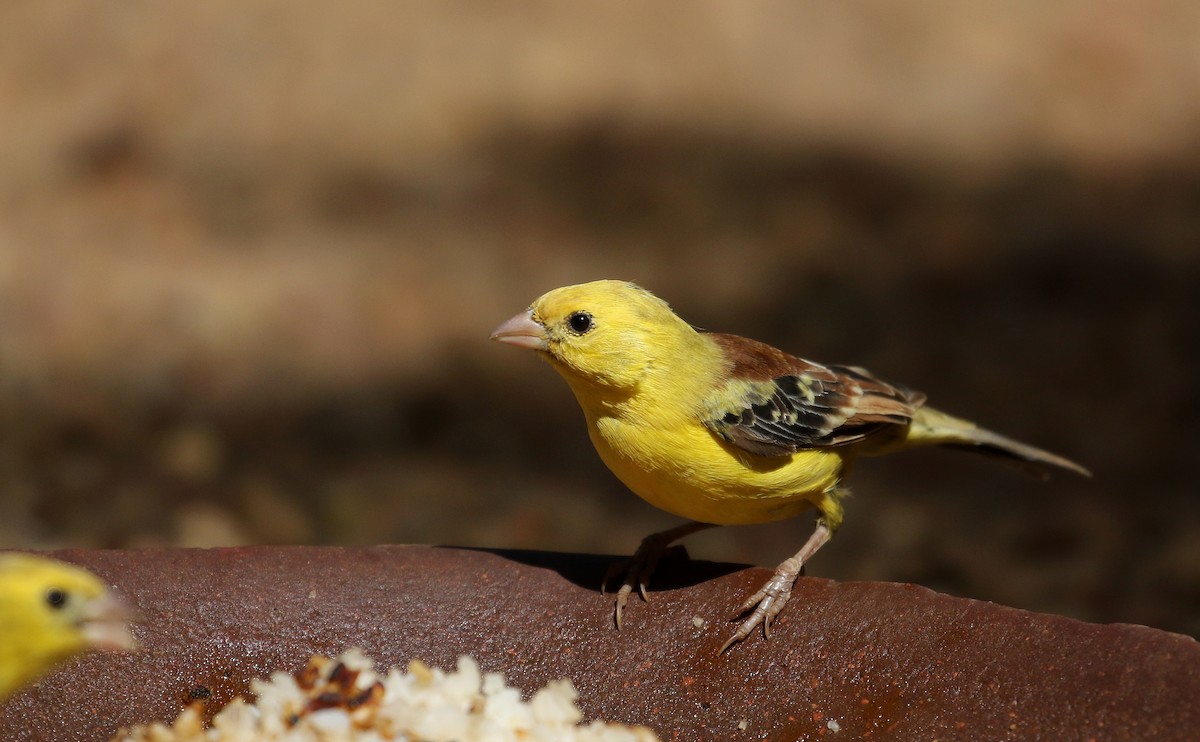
point(250, 257)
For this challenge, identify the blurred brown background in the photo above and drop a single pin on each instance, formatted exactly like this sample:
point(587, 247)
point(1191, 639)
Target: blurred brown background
point(250, 257)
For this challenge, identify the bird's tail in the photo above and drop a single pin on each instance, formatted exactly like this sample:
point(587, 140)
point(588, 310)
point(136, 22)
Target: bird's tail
point(931, 427)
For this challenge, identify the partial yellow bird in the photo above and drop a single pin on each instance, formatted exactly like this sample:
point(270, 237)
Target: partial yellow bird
point(723, 430)
point(51, 611)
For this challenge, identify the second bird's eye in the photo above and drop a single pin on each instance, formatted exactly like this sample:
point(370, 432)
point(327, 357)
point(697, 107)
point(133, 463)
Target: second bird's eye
point(56, 598)
point(579, 322)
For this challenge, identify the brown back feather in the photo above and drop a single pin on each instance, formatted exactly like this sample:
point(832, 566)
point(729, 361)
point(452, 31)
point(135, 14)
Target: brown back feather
point(791, 404)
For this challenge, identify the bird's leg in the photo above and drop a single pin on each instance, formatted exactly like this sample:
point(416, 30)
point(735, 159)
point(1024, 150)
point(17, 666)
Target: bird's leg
point(640, 566)
point(773, 595)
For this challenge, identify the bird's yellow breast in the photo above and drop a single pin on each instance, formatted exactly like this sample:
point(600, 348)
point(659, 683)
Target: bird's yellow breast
point(687, 470)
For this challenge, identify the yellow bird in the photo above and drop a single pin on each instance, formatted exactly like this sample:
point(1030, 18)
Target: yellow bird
point(50, 612)
point(724, 430)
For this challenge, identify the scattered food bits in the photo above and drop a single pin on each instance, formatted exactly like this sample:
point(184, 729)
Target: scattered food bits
point(833, 725)
point(699, 622)
point(345, 700)
point(420, 672)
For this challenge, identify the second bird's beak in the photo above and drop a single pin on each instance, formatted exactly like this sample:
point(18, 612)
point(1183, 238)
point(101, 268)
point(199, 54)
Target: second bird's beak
point(106, 624)
point(522, 332)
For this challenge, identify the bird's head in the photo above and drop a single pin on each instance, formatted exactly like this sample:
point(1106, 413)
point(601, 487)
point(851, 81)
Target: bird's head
point(63, 609)
point(608, 333)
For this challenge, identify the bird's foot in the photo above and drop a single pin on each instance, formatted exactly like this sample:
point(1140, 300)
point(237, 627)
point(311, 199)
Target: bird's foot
point(638, 568)
point(774, 594)
point(767, 603)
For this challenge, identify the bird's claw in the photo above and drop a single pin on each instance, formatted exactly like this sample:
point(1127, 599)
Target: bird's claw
point(774, 594)
point(634, 575)
point(767, 603)
point(637, 573)
point(622, 599)
point(637, 570)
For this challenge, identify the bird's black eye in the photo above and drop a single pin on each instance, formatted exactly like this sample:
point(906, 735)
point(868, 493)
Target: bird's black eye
point(579, 322)
point(56, 598)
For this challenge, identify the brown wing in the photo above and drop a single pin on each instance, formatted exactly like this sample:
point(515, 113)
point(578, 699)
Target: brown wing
point(776, 404)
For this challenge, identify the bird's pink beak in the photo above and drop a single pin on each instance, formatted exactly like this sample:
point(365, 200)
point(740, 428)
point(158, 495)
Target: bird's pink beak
point(522, 332)
point(106, 624)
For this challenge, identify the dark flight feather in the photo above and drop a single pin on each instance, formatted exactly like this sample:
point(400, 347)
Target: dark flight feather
point(791, 404)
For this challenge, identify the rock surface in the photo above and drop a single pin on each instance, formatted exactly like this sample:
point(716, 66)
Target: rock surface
point(845, 661)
